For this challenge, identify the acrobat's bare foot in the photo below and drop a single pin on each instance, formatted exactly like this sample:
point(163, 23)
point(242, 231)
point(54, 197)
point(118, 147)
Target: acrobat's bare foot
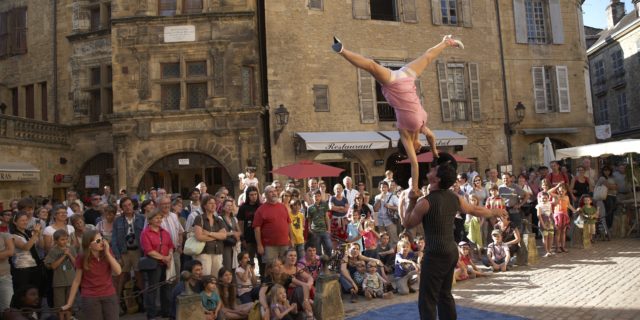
point(337, 45)
point(448, 39)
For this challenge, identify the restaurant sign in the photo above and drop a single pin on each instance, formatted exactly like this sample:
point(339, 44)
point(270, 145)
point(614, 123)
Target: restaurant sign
point(19, 176)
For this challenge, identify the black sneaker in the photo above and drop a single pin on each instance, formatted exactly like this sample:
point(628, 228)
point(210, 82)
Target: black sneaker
point(337, 45)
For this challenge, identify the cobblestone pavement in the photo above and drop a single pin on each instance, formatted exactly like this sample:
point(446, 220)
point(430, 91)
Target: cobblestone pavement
point(602, 282)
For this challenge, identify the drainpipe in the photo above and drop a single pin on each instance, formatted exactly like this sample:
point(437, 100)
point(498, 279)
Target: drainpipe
point(54, 28)
point(505, 96)
point(264, 88)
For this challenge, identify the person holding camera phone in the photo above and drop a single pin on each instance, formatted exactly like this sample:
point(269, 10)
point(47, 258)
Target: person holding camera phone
point(385, 204)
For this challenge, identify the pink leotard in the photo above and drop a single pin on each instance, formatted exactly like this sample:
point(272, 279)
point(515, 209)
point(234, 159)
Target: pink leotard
point(401, 95)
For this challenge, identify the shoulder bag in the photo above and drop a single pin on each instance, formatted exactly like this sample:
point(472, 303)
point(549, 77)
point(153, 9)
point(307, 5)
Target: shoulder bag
point(193, 246)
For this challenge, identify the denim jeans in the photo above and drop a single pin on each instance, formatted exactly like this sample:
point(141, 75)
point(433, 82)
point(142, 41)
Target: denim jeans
point(151, 279)
point(323, 239)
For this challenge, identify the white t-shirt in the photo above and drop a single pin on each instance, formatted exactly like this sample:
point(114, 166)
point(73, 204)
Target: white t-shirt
point(22, 258)
point(48, 231)
point(245, 286)
point(250, 182)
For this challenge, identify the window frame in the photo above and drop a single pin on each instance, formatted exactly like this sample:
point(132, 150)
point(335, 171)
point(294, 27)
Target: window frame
point(167, 11)
point(623, 111)
point(387, 114)
point(603, 111)
point(445, 11)
point(539, 29)
point(393, 5)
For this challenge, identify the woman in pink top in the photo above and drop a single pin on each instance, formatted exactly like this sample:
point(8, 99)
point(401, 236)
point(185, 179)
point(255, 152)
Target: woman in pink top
point(94, 268)
point(398, 87)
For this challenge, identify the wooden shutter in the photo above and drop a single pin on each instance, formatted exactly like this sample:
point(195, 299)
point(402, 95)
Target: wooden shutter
point(520, 21)
point(20, 30)
point(474, 89)
point(539, 91)
point(367, 97)
point(562, 77)
point(587, 85)
point(4, 34)
point(436, 12)
point(444, 92)
point(316, 4)
point(321, 98)
point(409, 12)
point(465, 8)
point(557, 29)
point(361, 9)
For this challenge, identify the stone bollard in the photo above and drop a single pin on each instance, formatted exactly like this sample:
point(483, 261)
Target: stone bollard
point(327, 303)
point(577, 237)
point(189, 303)
point(529, 241)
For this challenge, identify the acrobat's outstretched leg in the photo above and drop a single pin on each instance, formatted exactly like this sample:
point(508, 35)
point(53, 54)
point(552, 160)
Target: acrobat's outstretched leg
point(380, 73)
point(419, 64)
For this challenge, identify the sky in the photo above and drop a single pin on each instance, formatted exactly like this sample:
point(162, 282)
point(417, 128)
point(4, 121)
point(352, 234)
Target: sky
point(595, 12)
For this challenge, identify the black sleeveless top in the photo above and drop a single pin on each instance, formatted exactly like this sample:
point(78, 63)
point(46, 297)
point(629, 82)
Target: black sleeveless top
point(580, 188)
point(438, 223)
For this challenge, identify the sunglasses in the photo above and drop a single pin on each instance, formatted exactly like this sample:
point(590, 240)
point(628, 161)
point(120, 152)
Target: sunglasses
point(97, 241)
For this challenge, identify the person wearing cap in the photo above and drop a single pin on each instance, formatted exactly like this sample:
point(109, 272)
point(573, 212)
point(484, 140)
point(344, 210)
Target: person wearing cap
point(437, 211)
point(498, 255)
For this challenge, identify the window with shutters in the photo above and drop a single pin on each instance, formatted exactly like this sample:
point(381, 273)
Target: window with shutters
point(623, 114)
point(13, 32)
point(449, 10)
point(321, 98)
point(536, 21)
point(187, 81)
point(30, 99)
point(618, 63)
point(603, 111)
point(359, 175)
point(599, 78)
point(192, 6)
point(459, 91)
point(100, 92)
point(167, 8)
point(551, 89)
point(384, 10)
point(44, 110)
point(385, 111)
point(15, 102)
point(316, 4)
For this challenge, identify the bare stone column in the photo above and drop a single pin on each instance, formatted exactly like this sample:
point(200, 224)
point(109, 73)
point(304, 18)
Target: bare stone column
point(327, 303)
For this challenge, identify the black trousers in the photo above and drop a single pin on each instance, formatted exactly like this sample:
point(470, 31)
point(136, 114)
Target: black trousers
point(436, 276)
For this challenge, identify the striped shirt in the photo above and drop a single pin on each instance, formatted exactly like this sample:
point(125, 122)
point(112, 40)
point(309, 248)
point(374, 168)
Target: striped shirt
point(438, 222)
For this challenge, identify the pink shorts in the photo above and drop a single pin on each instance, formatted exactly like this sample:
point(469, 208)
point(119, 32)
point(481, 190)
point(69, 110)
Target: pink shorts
point(561, 219)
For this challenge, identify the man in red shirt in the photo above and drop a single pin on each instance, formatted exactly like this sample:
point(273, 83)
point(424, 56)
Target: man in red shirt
point(555, 176)
point(272, 226)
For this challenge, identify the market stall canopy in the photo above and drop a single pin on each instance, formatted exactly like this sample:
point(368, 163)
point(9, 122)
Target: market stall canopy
point(616, 148)
point(18, 171)
point(308, 169)
point(427, 157)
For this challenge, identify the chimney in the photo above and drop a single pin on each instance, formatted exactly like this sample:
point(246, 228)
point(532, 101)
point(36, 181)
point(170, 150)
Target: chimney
point(615, 12)
point(636, 5)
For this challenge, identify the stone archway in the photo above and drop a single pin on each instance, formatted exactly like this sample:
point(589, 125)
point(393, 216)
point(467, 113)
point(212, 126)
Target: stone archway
point(100, 166)
point(140, 163)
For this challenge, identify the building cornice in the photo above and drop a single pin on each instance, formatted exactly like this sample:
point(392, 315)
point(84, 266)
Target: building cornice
point(208, 15)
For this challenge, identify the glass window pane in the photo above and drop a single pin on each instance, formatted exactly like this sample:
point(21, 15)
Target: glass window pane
point(196, 95)
point(170, 70)
point(95, 76)
point(196, 68)
point(170, 96)
point(167, 7)
point(192, 6)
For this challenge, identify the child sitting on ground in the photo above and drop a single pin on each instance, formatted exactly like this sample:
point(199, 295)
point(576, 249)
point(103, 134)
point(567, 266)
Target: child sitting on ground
point(359, 275)
point(373, 284)
point(498, 255)
point(406, 269)
point(280, 307)
point(210, 298)
point(466, 269)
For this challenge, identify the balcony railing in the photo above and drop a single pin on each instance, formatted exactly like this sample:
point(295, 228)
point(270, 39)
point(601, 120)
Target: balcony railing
point(33, 130)
point(385, 112)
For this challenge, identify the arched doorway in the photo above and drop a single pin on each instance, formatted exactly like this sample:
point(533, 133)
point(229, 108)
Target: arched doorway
point(535, 155)
point(181, 172)
point(100, 171)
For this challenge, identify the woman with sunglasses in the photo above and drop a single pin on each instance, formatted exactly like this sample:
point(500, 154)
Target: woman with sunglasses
point(94, 268)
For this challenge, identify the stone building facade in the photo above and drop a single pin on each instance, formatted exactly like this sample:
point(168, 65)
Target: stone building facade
point(338, 115)
point(147, 94)
point(614, 61)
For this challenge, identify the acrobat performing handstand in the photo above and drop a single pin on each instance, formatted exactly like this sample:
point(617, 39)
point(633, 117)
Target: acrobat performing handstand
point(398, 87)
